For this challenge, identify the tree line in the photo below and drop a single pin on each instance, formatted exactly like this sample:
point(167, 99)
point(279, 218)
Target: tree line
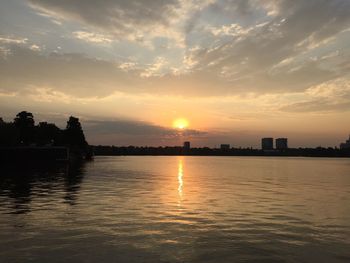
point(206, 151)
point(23, 132)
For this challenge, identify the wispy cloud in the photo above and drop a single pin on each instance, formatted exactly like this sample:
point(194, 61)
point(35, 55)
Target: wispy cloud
point(92, 37)
point(12, 40)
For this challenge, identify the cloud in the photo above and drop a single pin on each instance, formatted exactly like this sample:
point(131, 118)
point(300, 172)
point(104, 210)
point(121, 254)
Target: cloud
point(229, 30)
point(133, 19)
point(73, 74)
point(92, 37)
point(230, 47)
point(132, 132)
point(12, 40)
point(23, 70)
point(320, 105)
point(331, 96)
point(136, 128)
point(155, 69)
point(114, 14)
point(247, 60)
point(35, 47)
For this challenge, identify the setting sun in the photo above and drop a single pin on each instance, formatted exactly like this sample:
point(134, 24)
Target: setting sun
point(180, 123)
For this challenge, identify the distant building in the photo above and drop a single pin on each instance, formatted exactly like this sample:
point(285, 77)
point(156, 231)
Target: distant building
point(345, 145)
point(187, 145)
point(267, 143)
point(225, 147)
point(281, 143)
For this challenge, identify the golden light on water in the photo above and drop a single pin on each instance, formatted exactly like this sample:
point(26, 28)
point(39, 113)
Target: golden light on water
point(180, 123)
point(180, 175)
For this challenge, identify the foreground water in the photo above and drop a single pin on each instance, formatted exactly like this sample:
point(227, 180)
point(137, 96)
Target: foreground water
point(178, 209)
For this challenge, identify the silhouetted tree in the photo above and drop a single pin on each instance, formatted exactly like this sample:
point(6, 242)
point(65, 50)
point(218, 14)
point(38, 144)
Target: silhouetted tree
point(24, 132)
point(74, 135)
point(48, 133)
point(9, 134)
point(24, 121)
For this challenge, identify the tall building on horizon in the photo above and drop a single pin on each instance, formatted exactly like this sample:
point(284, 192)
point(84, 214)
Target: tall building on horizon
point(282, 143)
point(267, 143)
point(187, 145)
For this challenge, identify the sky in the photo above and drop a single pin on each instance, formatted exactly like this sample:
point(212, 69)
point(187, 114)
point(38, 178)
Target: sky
point(235, 70)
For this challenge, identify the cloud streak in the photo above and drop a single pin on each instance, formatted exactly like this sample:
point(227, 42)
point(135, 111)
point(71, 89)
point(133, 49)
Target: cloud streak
point(131, 132)
point(137, 128)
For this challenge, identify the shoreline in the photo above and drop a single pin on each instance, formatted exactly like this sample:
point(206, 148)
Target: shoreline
point(180, 151)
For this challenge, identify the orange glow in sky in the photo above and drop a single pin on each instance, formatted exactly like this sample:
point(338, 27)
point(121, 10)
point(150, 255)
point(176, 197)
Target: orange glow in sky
point(180, 123)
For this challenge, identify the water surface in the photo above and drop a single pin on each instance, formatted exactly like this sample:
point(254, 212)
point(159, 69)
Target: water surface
point(178, 209)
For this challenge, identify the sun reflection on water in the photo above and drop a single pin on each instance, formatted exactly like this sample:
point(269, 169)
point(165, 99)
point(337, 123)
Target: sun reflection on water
point(180, 175)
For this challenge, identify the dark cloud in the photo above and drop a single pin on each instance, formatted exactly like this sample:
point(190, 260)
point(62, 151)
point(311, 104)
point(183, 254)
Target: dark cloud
point(136, 128)
point(117, 16)
point(131, 132)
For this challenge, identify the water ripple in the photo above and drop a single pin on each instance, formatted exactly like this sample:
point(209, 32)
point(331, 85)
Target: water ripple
point(178, 209)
